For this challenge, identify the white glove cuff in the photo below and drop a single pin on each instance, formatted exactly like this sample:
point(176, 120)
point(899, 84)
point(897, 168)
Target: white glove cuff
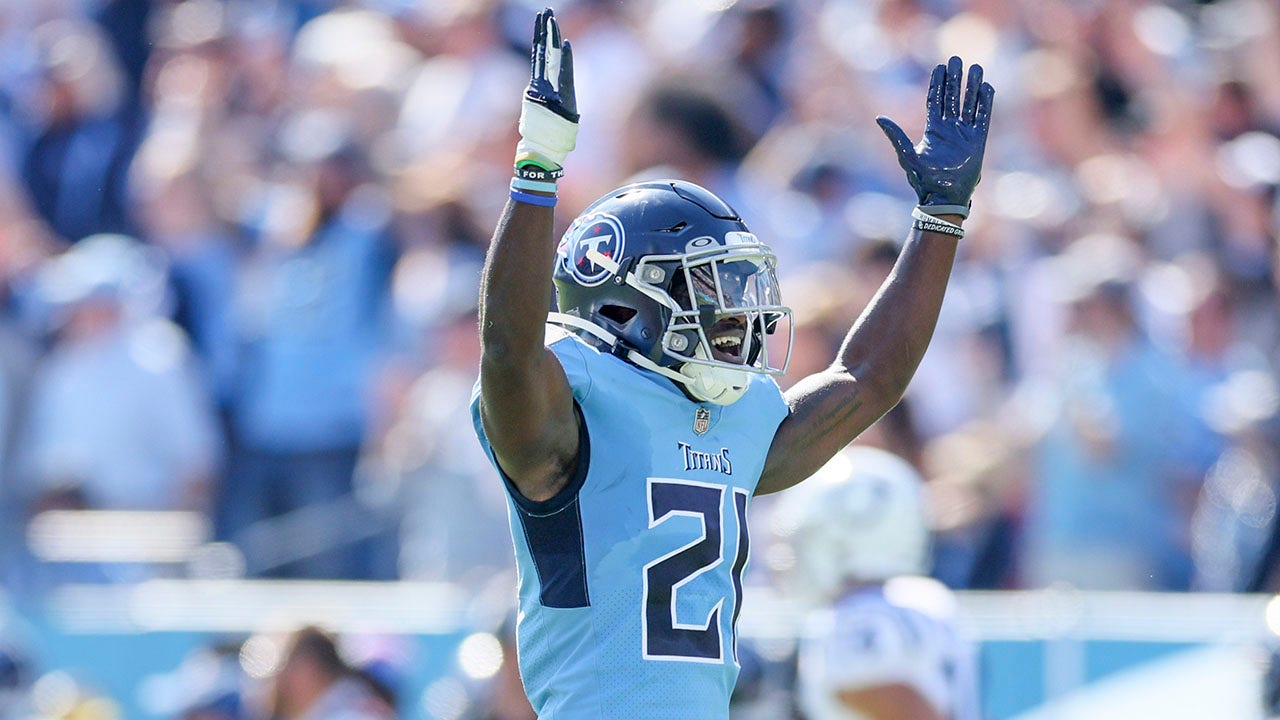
point(545, 133)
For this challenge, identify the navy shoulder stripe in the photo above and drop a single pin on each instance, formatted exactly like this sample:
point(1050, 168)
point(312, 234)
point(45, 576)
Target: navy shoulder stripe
point(553, 530)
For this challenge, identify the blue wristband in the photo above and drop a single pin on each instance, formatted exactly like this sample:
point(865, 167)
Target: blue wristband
point(531, 199)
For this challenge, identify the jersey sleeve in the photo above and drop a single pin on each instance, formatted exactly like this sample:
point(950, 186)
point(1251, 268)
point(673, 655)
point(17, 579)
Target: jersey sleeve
point(573, 358)
point(570, 352)
point(774, 404)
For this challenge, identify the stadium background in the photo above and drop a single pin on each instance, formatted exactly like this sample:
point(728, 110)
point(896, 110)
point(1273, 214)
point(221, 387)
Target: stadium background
point(239, 246)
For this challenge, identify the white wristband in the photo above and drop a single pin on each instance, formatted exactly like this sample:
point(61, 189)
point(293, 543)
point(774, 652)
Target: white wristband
point(929, 223)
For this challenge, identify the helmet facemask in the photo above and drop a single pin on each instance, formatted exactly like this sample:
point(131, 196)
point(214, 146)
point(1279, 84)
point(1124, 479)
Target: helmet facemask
point(725, 306)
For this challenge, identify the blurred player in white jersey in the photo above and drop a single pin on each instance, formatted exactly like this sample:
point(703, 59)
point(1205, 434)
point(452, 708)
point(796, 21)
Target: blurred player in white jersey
point(884, 643)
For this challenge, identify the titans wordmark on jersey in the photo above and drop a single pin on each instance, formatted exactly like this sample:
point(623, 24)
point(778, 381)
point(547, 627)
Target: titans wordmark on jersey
point(630, 580)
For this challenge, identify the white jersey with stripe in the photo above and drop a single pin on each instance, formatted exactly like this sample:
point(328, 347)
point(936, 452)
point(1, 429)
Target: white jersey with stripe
point(902, 633)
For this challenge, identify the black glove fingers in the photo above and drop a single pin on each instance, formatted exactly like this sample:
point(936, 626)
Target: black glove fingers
point(538, 54)
point(982, 116)
point(951, 91)
point(946, 166)
point(933, 100)
point(540, 27)
point(971, 94)
point(568, 96)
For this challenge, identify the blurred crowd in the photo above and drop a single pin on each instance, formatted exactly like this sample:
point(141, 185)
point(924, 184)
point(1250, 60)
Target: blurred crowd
point(308, 674)
point(240, 244)
point(313, 673)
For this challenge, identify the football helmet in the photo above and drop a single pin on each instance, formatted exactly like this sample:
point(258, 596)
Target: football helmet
point(861, 518)
point(667, 276)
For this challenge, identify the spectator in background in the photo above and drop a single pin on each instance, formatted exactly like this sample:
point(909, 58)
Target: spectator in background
point(177, 216)
point(209, 684)
point(1235, 536)
point(436, 468)
point(19, 354)
point(1155, 120)
point(976, 475)
point(126, 23)
point(312, 327)
point(416, 468)
point(684, 128)
point(1110, 499)
point(497, 696)
point(757, 62)
point(15, 683)
point(82, 133)
point(118, 419)
point(1206, 322)
point(316, 683)
point(452, 105)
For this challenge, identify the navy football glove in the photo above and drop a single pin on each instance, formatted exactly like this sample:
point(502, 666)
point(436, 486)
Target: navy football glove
point(946, 165)
point(549, 112)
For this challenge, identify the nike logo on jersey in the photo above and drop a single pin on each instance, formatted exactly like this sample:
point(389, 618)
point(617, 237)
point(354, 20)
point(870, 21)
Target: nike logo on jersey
point(698, 460)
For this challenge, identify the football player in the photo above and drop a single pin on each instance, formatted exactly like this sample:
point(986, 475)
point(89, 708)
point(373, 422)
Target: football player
point(632, 439)
point(885, 643)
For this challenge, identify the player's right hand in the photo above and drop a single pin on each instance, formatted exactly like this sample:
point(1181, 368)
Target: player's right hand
point(549, 112)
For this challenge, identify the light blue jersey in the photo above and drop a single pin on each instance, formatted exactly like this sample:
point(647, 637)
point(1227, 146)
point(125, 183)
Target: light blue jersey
point(631, 579)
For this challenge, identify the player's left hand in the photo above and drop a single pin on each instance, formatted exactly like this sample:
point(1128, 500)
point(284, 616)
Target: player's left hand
point(549, 110)
point(945, 167)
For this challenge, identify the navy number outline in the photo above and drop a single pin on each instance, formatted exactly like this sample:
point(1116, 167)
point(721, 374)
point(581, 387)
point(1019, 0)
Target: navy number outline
point(662, 635)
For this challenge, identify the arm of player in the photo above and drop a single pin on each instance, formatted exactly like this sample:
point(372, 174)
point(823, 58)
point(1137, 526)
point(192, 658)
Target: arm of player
point(889, 702)
point(882, 350)
point(526, 404)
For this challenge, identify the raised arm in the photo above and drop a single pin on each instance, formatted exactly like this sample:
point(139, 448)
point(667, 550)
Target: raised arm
point(526, 404)
point(883, 348)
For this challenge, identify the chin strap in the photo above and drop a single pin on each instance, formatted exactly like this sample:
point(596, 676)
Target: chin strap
point(715, 386)
point(718, 385)
point(700, 384)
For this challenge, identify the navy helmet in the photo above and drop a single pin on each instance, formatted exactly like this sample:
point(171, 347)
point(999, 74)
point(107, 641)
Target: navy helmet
point(668, 276)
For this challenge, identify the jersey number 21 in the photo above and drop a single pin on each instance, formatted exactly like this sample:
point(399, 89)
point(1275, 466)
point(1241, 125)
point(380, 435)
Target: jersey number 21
point(663, 635)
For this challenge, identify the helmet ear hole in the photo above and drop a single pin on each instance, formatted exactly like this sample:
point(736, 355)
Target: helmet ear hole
point(618, 313)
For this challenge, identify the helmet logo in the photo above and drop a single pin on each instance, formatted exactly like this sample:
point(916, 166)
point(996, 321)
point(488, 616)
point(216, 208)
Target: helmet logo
point(592, 248)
